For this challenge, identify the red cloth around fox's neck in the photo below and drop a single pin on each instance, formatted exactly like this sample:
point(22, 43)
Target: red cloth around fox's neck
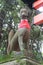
point(24, 24)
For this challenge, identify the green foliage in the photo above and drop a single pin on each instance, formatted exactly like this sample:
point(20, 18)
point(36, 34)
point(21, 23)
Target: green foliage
point(10, 57)
point(5, 58)
point(11, 8)
point(35, 32)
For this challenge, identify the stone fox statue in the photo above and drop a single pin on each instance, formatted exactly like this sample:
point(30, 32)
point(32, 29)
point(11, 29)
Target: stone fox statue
point(19, 40)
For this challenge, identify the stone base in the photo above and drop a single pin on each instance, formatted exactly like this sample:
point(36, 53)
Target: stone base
point(21, 62)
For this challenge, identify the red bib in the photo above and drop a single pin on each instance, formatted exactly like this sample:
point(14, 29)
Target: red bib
point(24, 24)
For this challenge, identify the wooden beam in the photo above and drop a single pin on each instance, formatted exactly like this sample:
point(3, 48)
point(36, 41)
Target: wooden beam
point(38, 19)
point(38, 4)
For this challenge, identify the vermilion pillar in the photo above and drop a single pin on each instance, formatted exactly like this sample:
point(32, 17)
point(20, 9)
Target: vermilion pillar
point(38, 19)
point(38, 4)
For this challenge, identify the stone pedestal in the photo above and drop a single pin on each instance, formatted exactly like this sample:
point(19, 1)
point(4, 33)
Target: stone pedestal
point(21, 62)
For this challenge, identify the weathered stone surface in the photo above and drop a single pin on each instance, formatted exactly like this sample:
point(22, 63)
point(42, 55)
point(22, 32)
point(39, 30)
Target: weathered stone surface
point(21, 62)
point(10, 63)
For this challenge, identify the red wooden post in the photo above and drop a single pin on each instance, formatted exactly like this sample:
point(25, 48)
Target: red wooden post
point(38, 4)
point(38, 19)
